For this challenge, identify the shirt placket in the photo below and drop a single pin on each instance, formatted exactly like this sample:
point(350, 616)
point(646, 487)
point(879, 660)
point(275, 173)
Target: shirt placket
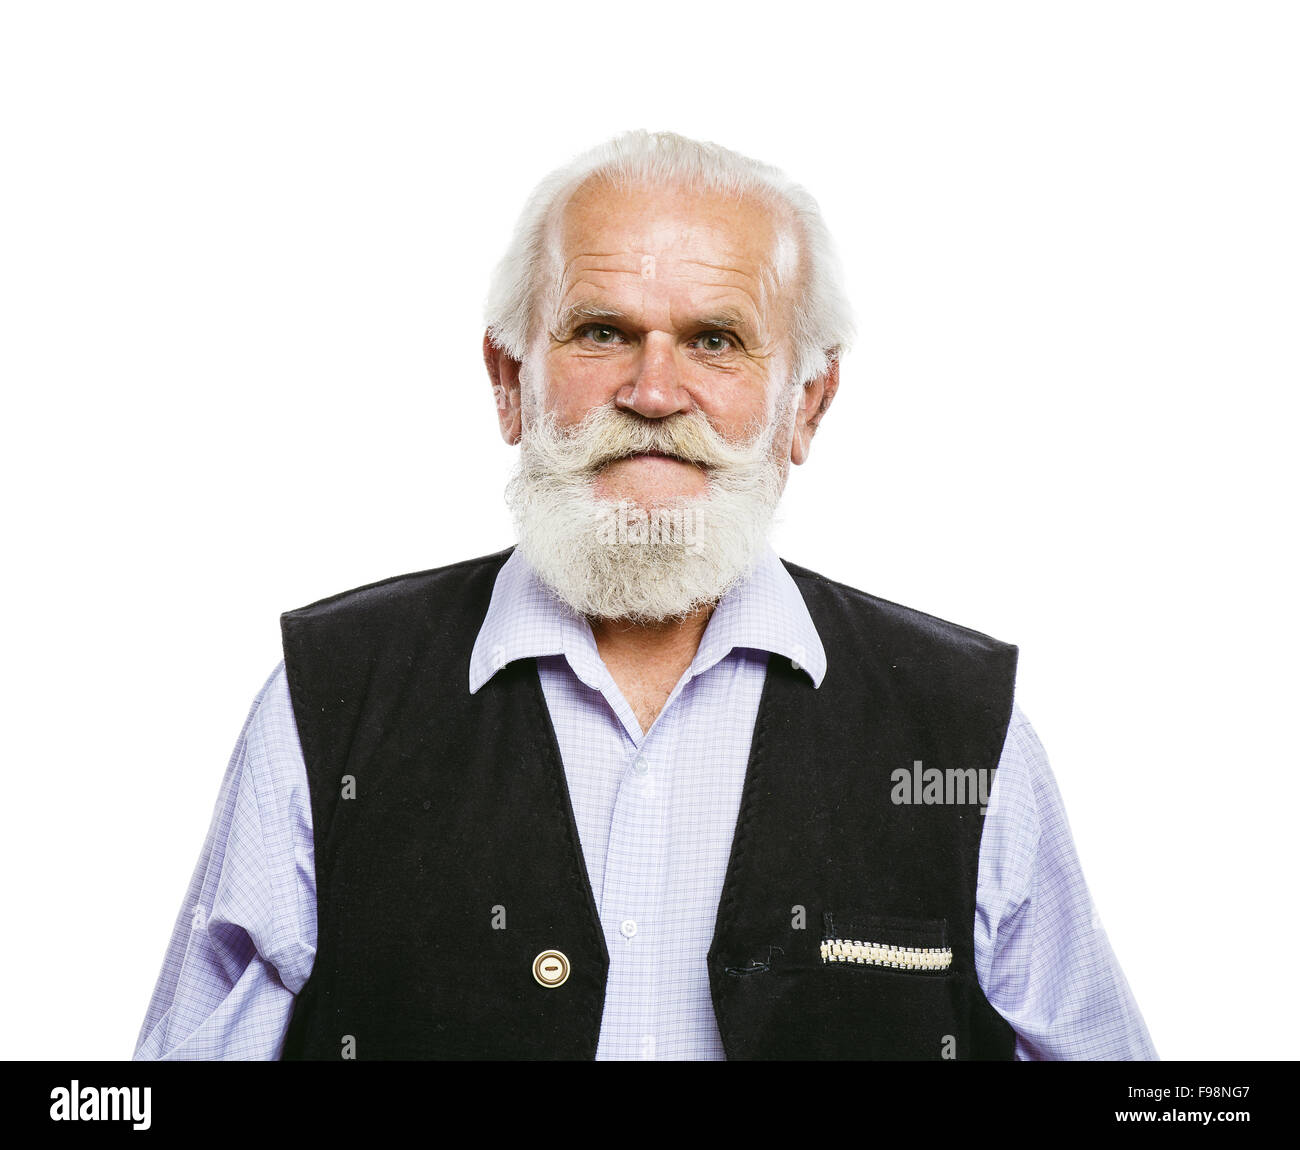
point(632, 904)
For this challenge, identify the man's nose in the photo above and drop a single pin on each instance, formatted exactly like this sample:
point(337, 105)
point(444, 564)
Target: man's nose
point(658, 388)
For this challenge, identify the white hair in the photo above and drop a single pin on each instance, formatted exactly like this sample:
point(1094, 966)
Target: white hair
point(822, 324)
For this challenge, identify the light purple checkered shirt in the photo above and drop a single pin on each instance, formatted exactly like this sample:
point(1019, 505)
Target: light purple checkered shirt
point(655, 812)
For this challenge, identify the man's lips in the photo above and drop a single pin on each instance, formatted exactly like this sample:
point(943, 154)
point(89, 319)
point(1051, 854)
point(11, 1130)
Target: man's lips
point(651, 474)
point(652, 455)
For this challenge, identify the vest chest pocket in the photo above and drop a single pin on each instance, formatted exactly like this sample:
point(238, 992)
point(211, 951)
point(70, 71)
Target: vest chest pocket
point(873, 987)
point(905, 945)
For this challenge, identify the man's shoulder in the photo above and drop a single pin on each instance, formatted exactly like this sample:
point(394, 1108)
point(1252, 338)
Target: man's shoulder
point(849, 613)
point(449, 585)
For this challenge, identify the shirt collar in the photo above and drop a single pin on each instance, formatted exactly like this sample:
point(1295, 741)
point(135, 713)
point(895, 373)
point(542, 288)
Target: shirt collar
point(524, 620)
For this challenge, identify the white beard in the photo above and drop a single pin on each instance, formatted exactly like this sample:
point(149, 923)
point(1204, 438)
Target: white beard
point(611, 559)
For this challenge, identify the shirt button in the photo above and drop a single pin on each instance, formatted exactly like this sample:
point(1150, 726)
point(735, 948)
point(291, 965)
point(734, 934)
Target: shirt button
point(640, 765)
point(498, 658)
point(628, 927)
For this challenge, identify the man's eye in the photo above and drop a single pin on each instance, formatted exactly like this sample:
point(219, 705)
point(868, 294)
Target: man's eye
point(601, 333)
point(715, 342)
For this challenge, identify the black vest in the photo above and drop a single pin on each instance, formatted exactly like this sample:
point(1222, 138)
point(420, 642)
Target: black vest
point(435, 809)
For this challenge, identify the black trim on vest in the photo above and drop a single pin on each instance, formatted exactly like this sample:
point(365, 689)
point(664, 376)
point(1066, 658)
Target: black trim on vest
point(461, 808)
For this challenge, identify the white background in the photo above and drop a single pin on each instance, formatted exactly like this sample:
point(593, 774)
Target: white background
point(244, 254)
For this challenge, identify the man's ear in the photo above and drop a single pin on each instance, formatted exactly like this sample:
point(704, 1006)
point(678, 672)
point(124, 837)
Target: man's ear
point(503, 370)
point(815, 397)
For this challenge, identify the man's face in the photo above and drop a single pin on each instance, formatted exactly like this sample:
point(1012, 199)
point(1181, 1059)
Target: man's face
point(665, 306)
point(657, 378)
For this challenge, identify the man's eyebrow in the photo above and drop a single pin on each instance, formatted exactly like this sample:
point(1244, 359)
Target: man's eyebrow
point(725, 319)
point(574, 314)
point(731, 319)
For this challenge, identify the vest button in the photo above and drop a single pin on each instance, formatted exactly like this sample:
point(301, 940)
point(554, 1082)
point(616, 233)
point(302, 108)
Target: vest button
point(551, 968)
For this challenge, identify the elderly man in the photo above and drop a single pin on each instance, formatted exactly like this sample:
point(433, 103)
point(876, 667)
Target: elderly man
point(636, 788)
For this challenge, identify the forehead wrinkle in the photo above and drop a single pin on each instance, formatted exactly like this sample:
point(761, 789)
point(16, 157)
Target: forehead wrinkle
point(747, 274)
point(571, 277)
point(592, 295)
point(724, 285)
point(629, 259)
point(568, 264)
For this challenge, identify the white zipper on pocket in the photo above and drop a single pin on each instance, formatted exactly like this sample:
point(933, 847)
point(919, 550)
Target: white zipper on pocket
point(881, 954)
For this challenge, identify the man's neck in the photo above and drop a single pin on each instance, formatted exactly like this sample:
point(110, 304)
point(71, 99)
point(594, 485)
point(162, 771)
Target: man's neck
point(647, 659)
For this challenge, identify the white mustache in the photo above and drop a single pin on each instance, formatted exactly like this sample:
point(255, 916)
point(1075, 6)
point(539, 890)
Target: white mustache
point(608, 434)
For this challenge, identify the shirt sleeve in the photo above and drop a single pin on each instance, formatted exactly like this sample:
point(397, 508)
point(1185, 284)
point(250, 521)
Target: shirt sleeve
point(245, 938)
point(1041, 955)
